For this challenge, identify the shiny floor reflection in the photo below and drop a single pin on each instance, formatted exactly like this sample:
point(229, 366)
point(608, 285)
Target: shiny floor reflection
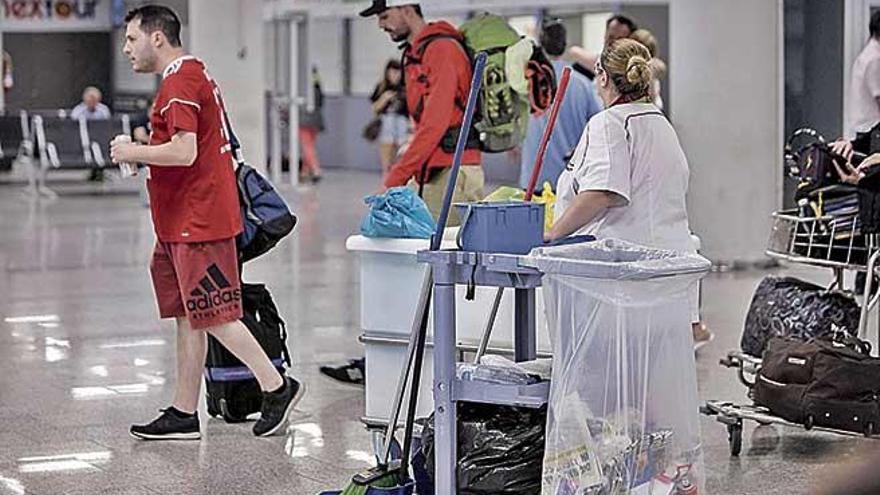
point(82, 356)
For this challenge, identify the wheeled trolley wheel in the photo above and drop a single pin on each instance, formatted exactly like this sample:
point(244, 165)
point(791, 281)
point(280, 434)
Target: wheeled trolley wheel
point(809, 421)
point(735, 438)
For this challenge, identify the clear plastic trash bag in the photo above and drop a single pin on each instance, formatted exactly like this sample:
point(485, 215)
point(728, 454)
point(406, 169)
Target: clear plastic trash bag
point(623, 413)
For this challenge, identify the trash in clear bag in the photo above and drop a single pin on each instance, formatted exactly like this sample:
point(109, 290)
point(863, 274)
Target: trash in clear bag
point(623, 412)
point(546, 197)
point(499, 449)
point(399, 213)
point(495, 369)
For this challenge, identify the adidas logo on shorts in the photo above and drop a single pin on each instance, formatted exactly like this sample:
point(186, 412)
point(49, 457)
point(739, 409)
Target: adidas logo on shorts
point(214, 290)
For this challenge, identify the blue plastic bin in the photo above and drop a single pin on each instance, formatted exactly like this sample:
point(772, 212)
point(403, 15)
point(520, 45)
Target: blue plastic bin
point(504, 227)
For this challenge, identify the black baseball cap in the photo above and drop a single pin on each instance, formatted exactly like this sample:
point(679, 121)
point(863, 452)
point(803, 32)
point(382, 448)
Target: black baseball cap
point(380, 6)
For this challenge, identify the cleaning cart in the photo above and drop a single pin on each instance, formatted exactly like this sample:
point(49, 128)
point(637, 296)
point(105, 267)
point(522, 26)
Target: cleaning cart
point(831, 241)
point(640, 442)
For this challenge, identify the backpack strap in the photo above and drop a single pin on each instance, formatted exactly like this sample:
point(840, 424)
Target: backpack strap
point(234, 143)
point(416, 59)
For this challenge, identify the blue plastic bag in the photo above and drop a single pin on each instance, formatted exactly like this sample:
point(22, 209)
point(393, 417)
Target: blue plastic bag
point(397, 213)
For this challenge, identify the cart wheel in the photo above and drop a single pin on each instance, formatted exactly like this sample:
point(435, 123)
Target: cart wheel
point(869, 430)
point(735, 438)
point(809, 421)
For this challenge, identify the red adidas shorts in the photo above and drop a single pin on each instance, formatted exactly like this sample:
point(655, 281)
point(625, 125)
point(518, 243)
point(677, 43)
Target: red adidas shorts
point(198, 281)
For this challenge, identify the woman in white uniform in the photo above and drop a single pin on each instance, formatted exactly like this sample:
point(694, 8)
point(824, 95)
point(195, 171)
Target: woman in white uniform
point(628, 176)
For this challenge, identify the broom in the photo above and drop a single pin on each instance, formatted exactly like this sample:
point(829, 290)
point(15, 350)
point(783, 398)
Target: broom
point(386, 474)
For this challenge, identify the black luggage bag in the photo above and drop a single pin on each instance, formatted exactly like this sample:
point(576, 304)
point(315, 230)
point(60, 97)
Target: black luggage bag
point(789, 307)
point(232, 390)
point(821, 383)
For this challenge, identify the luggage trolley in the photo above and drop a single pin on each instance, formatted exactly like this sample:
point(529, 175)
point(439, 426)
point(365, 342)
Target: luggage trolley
point(827, 241)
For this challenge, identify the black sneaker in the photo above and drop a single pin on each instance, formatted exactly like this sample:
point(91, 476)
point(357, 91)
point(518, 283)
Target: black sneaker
point(277, 406)
point(352, 373)
point(169, 426)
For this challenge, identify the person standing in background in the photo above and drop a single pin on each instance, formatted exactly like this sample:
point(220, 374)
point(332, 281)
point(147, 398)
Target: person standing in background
point(616, 27)
point(438, 73)
point(863, 111)
point(311, 123)
point(579, 105)
point(658, 66)
point(389, 103)
point(8, 81)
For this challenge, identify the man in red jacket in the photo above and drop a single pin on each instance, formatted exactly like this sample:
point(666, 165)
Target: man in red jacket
point(438, 75)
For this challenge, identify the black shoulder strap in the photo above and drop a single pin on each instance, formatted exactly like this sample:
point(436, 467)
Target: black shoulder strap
point(234, 143)
point(416, 113)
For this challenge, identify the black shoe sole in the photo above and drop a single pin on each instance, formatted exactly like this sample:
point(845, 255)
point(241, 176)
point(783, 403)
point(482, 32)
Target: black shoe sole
point(168, 436)
point(339, 378)
point(293, 402)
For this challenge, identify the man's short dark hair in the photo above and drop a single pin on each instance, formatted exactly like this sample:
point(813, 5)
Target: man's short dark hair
point(622, 19)
point(553, 37)
point(418, 9)
point(874, 25)
point(157, 18)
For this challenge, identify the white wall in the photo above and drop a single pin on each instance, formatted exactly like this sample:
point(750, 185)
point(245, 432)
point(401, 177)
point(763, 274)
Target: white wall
point(325, 47)
point(228, 36)
point(727, 110)
point(370, 50)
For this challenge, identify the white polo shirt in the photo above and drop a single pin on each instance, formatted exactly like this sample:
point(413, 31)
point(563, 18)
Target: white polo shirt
point(864, 111)
point(633, 151)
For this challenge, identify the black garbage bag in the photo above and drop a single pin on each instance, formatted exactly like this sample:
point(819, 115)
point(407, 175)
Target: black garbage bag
point(500, 449)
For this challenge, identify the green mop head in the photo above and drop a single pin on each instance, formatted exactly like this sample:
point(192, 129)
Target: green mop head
point(378, 477)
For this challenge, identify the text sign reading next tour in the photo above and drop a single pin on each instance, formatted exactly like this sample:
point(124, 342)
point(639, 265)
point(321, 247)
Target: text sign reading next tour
point(56, 15)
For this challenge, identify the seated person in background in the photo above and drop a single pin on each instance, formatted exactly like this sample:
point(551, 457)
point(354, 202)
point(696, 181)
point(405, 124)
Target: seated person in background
point(91, 107)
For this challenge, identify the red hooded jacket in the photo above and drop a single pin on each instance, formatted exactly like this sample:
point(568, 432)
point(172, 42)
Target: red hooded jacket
point(438, 84)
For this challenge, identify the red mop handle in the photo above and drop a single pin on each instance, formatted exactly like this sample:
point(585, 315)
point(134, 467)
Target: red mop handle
point(545, 139)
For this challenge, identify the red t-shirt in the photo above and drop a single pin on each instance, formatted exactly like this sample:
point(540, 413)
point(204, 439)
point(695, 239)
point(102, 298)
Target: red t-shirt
point(197, 203)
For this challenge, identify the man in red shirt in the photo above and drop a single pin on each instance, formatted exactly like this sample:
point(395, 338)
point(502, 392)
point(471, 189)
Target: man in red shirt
point(438, 77)
point(195, 209)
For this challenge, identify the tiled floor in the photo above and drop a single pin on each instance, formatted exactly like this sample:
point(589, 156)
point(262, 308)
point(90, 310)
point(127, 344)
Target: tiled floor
point(82, 355)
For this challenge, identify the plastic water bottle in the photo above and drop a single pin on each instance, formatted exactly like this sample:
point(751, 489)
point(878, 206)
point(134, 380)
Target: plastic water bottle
point(126, 169)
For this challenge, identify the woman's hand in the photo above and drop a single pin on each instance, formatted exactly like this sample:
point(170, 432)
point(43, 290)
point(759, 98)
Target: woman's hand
point(871, 161)
point(843, 148)
point(848, 173)
point(852, 175)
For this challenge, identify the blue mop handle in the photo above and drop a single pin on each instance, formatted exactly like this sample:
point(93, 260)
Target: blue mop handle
point(476, 82)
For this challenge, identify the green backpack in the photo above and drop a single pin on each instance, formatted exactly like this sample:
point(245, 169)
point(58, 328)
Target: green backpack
point(503, 112)
point(502, 117)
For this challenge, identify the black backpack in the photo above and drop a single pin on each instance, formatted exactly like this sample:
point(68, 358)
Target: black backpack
point(821, 383)
point(232, 390)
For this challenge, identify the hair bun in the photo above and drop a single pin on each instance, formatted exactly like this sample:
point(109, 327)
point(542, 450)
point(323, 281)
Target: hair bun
point(638, 72)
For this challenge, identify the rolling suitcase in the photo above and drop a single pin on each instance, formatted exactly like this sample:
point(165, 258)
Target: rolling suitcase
point(232, 390)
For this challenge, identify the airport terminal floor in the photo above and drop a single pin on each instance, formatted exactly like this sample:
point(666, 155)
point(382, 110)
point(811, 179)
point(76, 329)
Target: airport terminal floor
point(83, 356)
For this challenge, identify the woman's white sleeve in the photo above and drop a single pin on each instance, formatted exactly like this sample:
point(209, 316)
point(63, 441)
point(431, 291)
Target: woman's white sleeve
point(605, 164)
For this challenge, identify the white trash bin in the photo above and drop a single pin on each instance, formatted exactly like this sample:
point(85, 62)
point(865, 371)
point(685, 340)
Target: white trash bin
point(390, 281)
